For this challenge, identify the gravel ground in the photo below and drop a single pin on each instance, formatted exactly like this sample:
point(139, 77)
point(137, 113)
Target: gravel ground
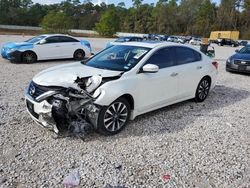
point(183, 145)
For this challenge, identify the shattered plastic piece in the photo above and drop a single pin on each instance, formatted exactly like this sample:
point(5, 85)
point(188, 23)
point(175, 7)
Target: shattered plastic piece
point(118, 167)
point(166, 177)
point(72, 180)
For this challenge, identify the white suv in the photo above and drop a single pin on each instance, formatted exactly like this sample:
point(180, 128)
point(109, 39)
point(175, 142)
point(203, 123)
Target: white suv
point(119, 84)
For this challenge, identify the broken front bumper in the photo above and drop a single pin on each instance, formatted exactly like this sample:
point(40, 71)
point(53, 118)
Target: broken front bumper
point(41, 113)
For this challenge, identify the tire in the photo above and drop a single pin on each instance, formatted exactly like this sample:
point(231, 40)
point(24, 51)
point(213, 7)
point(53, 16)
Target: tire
point(202, 90)
point(109, 121)
point(29, 57)
point(79, 55)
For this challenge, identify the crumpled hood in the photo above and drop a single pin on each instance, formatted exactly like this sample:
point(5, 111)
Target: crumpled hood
point(17, 45)
point(65, 75)
point(241, 56)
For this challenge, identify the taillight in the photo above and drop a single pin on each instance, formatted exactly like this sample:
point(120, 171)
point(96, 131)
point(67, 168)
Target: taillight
point(215, 64)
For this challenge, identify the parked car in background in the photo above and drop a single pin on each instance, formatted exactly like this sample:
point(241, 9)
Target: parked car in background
point(195, 41)
point(172, 39)
point(240, 61)
point(118, 84)
point(188, 38)
point(164, 37)
point(227, 42)
point(124, 39)
point(158, 37)
point(149, 37)
point(46, 47)
point(243, 43)
point(181, 40)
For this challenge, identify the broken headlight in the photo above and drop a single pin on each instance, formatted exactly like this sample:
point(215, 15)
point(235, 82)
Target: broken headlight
point(92, 83)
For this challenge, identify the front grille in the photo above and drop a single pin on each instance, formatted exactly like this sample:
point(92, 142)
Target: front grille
point(239, 62)
point(36, 90)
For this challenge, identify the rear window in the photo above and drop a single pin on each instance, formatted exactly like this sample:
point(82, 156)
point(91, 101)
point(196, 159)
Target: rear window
point(186, 55)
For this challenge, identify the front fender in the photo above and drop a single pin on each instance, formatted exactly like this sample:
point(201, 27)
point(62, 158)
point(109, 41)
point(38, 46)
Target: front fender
point(111, 91)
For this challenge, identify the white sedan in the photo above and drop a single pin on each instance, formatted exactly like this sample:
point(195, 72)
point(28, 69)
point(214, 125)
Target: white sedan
point(46, 47)
point(118, 84)
point(195, 41)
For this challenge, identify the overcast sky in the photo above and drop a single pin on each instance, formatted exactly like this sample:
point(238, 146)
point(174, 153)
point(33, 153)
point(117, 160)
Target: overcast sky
point(128, 2)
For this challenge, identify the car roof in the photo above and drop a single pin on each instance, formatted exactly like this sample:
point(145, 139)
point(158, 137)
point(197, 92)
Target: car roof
point(52, 35)
point(154, 44)
point(128, 37)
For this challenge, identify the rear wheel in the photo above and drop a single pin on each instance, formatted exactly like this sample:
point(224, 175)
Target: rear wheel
point(29, 57)
point(113, 119)
point(79, 55)
point(202, 89)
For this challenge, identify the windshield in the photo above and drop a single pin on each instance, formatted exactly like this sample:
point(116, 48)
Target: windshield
point(118, 58)
point(245, 50)
point(35, 39)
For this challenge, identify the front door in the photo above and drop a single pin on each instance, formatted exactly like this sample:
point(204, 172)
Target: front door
point(51, 49)
point(158, 89)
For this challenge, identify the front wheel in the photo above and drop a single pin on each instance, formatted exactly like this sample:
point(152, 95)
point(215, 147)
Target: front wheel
point(113, 119)
point(79, 55)
point(29, 57)
point(202, 90)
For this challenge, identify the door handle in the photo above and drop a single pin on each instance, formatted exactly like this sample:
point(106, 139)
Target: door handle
point(174, 74)
point(57, 46)
point(199, 67)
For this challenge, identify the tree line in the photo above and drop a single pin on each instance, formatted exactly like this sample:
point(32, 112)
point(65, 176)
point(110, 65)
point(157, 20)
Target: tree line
point(170, 17)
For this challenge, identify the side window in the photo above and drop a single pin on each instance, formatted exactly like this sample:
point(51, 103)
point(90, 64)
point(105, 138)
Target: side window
point(52, 40)
point(67, 39)
point(163, 58)
point(186, 55)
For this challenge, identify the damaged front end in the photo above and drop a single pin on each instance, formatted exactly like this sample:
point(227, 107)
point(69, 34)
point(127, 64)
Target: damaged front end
point(65, 109)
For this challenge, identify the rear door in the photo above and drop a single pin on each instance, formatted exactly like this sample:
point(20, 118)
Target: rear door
point(68, 46)
point(157, 89)
point(190, 66)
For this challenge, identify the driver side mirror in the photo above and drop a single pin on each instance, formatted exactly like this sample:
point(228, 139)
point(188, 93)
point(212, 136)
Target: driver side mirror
point(150, 68)
point(237, 51)
point(43, 41)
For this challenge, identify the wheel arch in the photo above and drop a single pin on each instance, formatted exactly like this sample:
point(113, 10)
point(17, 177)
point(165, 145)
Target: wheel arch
point(79, 49)
point(28, 51)
point(130, 100)
point(209, 78)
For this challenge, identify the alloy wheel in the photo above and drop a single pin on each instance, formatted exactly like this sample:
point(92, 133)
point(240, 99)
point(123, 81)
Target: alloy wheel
point(29, 57)
point(115, 116)
point(203, 89)
point(79, 55)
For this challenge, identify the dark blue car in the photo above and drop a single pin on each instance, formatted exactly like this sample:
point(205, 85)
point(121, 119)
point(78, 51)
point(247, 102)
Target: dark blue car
point(240, 61)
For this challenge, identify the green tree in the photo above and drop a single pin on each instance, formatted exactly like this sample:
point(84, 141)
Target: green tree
point(56, 22)
point(165, 17)
point(205, 18)
point(228, 14)
point(109, 23)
